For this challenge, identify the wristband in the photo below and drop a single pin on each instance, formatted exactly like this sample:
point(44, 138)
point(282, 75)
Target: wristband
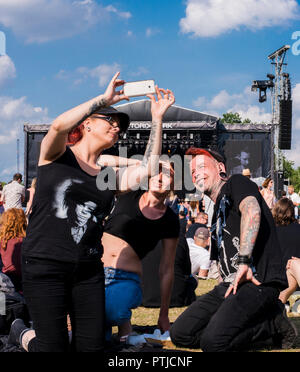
point(244, 260)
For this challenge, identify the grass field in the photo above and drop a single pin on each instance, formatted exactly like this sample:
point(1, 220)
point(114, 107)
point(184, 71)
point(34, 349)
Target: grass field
point(142, 317)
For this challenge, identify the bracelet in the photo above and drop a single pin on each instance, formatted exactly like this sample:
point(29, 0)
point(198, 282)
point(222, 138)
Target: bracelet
point(244, 260)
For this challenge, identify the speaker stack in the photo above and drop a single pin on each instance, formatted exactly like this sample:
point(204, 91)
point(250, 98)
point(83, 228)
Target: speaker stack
point(279, 183)
point(285, 124)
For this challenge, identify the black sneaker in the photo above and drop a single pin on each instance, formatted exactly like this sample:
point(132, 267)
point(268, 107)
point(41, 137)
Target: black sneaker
point(17, 329)
point(286, 330)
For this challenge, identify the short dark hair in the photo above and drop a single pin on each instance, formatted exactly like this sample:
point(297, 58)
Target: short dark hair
point(17, 176)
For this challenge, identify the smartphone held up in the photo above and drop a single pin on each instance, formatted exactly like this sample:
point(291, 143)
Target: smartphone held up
point(139, 88)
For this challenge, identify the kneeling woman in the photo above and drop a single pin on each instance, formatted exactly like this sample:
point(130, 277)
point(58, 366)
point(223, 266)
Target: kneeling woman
point(62, 270)
point(139, 221)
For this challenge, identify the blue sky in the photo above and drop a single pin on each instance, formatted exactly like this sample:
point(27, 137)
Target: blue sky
point(60, 53)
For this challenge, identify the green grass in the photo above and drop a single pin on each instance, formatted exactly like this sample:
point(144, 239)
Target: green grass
point(142, 317)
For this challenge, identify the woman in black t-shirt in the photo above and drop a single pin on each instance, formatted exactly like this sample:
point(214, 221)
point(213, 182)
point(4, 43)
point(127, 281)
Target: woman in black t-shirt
point(62, 270)
point(139, 221)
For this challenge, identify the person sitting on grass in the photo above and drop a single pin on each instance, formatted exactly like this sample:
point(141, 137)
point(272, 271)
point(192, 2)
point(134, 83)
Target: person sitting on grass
point(12, 232)
point(199, 254)
point(139, 221)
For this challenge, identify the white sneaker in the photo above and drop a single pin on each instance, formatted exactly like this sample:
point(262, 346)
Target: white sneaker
point(136, 340)
point(158, 336)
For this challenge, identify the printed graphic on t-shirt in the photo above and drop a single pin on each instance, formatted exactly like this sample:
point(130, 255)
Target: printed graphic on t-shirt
point(69, 204)
point(227, 242)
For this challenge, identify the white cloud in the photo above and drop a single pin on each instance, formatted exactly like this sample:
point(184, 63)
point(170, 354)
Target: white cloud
point(207, 18)
point(7, 70)
point(8, 171)
point(102, 73)
point(294, 153)
point(152, 31)
point(14, 113)
point(62, 75)
point(140, 71)
point(296, 96)
point(296, 106)
point(39, 21)
point(296, 123)
point(112, 9)
point(244, 103)
point(221, 100)
point(256, 114)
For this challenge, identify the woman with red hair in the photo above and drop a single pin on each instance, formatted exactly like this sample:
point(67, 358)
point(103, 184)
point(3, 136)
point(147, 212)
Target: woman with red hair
point(62, 269)
point(12, 231)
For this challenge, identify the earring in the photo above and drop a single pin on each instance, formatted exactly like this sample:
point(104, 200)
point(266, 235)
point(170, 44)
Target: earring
point(88, 129)
point(223, 176)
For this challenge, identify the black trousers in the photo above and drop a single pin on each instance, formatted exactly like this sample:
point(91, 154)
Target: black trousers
point(214, 323)
point(54, 289)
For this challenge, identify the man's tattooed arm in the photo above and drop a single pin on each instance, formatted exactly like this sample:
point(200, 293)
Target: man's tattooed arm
point(250, 223)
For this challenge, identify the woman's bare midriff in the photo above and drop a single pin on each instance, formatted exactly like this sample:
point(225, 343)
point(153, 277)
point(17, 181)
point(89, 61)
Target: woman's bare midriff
point(120, 255)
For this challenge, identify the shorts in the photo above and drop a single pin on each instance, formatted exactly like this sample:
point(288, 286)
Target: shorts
point(122, 293)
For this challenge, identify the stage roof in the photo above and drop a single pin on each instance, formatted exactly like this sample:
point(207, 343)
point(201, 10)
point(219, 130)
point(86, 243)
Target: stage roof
point(141, 111)
point(176, 117)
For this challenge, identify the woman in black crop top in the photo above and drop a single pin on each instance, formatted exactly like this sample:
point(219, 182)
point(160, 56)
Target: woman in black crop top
point(62, 269)
point(139, 221)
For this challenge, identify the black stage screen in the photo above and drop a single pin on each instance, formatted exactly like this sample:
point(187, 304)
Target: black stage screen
point(241, 154)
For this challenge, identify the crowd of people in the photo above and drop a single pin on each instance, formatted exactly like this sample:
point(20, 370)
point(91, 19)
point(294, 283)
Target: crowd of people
point(75, 252)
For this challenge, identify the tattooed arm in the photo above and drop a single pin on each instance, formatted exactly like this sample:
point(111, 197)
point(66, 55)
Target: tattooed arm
point(250, 223)
point(54, 143)
point(132, 177)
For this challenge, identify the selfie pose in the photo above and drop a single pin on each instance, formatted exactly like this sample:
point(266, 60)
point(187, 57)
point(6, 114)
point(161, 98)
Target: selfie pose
point(62, 269)
point(139, 221)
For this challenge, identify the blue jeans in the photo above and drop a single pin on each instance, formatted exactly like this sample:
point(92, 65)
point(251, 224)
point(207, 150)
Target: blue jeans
point(122, 293)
